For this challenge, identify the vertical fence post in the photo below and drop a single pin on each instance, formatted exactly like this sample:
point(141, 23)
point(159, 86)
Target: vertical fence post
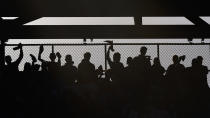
point(158, 51)
point(53, 49)
point(105, 49)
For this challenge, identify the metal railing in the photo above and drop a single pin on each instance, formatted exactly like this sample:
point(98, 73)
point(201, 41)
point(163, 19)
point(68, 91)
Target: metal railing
point(160, 49)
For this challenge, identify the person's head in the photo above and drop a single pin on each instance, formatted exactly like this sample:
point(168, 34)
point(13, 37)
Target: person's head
point(68, 59)
point(175, 59)
point(36, 67)
point(27, 66)
point(87, 56)
point(129, 60)
point(194, 62)
point(143, 50)
point(156, 61)
point(116, 57)
point(52, 57)
point(8, 59)
point(44, 66)
point(200, 60)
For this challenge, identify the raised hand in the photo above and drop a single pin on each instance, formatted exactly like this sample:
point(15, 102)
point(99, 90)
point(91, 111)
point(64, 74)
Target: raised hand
point(33, 58)
point(58, 55)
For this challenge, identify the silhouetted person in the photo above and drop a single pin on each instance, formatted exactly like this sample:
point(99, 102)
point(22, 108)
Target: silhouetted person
point(203, 70)
point(141, 63)
point(68, 66)
point(157, 85)
point(204, 92)
point(141, 72)
point(27, 67)
point(129, 61)
point(13, 66)
point(128, 69)
point(87, 79)
point(34, 67)
point(116, 73)
point(141, 67)
point(116, 67)
point(31, 67)
point(196, 93)
point(69, 70)
point(175, 70)
point(157, 72)
point(51, 65)
point(44, 67)
point(175, 76)
point(157, 68)
point(127, 83)
point(86, 69)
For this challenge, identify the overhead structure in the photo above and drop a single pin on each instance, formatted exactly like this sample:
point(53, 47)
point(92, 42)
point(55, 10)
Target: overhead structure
point(110, 32)
point(104, 8)
point(14, 29)
point(29, 10)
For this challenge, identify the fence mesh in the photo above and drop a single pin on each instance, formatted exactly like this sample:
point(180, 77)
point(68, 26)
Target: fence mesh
point(166, 53)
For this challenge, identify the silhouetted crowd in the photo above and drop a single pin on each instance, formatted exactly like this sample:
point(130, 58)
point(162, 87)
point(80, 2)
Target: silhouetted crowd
point(139, 90)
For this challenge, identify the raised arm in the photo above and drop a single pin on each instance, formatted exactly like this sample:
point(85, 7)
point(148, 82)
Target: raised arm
point(108, 57)
point(33, 58)
point(41, 49)
point(20, 55)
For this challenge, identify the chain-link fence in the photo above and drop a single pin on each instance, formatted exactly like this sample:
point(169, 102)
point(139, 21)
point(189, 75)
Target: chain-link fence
point(164, 51)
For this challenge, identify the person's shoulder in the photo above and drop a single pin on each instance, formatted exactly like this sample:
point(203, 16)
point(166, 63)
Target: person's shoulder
point(171, 66)
point(205, 67)
point(188, 68)
point(92, 64)
point(46, 62)
point(136, 58)
point(74, 67)
point(162, 67)
point(79, 64)
point(121, 64)
point(181, 65)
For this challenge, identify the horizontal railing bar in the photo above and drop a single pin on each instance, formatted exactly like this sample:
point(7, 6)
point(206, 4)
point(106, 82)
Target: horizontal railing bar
point(102, 44)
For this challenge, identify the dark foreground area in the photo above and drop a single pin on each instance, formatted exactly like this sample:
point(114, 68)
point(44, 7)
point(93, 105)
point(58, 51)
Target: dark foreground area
point(42, 95)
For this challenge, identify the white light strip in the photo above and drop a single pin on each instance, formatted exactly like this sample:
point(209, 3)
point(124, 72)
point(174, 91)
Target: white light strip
point(9, 18)
point(166, 21)
point(83, 21)
point(207, 19)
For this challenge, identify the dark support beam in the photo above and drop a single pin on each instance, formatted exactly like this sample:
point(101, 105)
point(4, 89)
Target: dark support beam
point(24, 20)
point(105, 54)
point(103, 8)
point(197, 21)
point(202, 25)
point(107, 32)
point(158, 51)
point(138, 21)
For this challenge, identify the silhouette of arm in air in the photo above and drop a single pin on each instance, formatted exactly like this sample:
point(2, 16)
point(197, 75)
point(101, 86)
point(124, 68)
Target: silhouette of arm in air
point(33, 58)
point(108, 58)
point(41, 49)
point(17, 62)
